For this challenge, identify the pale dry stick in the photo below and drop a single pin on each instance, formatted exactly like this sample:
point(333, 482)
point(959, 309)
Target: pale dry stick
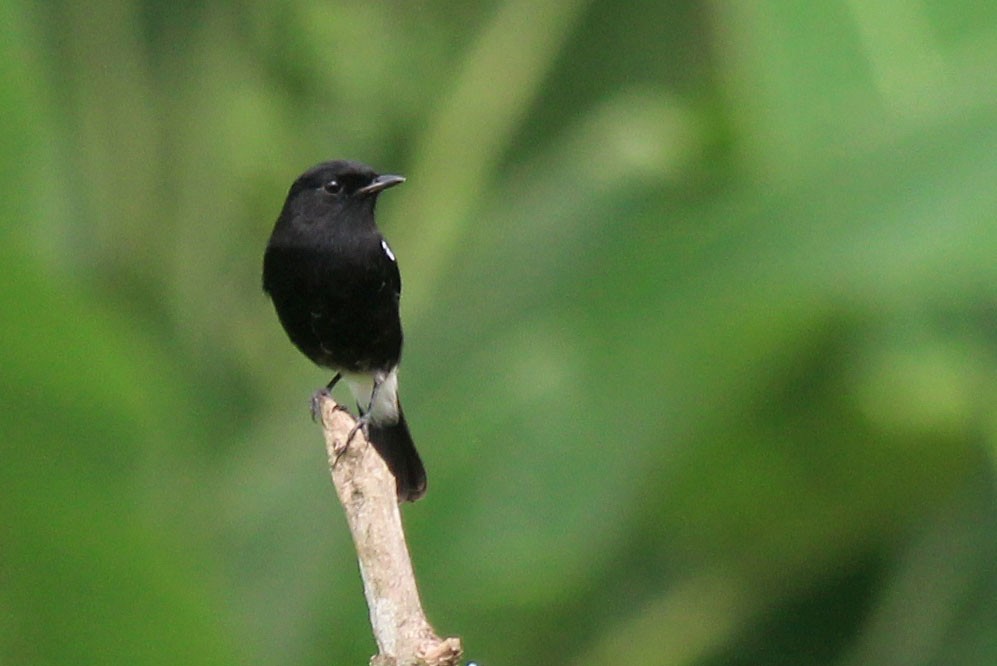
point(366, 490)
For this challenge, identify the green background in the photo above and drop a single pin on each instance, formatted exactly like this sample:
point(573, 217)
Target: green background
point(701, 315)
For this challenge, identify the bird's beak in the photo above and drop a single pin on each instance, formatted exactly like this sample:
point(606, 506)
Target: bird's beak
point(381, 183)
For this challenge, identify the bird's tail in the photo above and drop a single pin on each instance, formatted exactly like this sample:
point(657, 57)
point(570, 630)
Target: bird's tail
point(394, 443)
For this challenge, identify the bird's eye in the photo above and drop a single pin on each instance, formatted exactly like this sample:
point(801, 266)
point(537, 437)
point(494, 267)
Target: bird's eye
point(333, 186)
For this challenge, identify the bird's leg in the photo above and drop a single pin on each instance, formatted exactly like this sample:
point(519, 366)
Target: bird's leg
point(322, 393)
point(364, 420)
point(332, 382)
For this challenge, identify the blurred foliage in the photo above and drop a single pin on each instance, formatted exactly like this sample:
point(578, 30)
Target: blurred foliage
point(701, 315)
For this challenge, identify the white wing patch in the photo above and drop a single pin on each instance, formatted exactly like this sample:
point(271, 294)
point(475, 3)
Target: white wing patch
point(387, 250)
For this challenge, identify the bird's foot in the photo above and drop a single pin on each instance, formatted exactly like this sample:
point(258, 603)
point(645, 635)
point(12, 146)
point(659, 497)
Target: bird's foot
point(363, 423)
point(316, 404)
point(319, 395)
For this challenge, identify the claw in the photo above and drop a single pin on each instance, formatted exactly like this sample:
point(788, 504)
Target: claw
point(319, 395)
point(316, 403)
point(362, 424)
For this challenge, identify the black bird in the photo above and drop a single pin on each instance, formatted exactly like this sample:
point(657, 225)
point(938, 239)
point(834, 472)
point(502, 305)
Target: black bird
point(335, 285)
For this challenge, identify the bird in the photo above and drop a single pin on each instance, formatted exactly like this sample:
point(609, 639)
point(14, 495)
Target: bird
point(335, 285)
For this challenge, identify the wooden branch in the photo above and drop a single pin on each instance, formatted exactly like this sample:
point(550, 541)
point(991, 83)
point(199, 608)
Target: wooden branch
point(366, 489)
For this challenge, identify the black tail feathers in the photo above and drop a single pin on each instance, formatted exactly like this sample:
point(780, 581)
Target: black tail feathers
point(394, 444)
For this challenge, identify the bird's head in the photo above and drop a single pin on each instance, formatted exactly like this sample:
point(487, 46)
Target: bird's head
point(338, 187)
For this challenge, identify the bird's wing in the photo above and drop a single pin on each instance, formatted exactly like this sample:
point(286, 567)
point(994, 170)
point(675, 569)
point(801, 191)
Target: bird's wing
point(393, 275)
